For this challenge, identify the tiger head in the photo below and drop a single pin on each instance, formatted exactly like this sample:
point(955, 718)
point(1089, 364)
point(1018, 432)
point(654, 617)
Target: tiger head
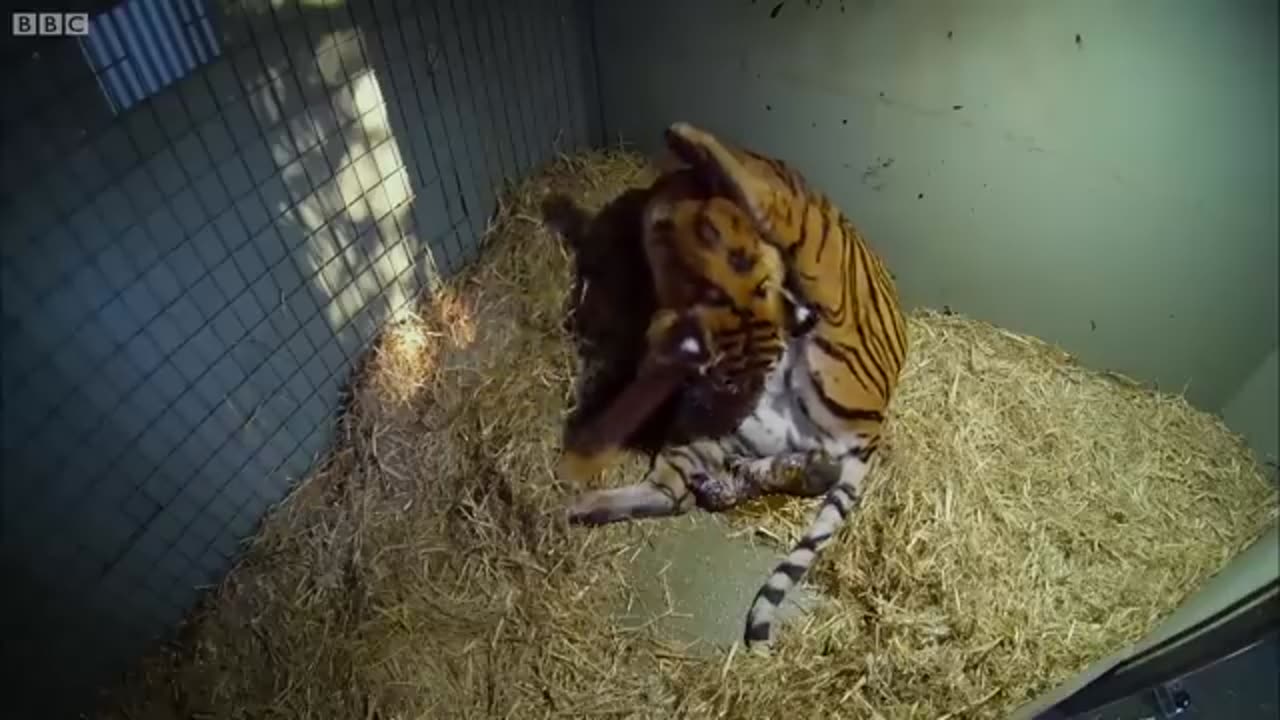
point(722, 304)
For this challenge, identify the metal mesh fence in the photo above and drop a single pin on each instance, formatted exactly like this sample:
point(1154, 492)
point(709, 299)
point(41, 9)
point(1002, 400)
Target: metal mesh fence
point(208, 211)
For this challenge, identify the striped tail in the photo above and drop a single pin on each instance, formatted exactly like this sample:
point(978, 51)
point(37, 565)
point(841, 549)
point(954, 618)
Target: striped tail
point(839, 503)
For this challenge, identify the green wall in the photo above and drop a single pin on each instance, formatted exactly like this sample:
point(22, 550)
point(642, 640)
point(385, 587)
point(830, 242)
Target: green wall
point(1253, 411)
point(1116, 196)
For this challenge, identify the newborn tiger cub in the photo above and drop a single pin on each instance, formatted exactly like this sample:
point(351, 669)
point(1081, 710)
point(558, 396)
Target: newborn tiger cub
point(760, 280)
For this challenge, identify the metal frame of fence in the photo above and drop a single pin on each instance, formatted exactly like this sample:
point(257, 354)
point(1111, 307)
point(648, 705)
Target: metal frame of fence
point(202, 232)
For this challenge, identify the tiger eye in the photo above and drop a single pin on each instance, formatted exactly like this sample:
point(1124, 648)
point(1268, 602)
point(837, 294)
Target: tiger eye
point(740, 261)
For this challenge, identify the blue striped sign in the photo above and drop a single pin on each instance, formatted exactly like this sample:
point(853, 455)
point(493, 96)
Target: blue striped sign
point(139, 47)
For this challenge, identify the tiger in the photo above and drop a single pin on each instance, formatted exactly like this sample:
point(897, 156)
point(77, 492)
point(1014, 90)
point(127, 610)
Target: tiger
point(817, 423)
point(611, 303)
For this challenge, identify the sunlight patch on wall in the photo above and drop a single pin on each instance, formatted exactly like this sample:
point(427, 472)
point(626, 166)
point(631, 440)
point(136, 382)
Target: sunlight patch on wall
point(361, 242)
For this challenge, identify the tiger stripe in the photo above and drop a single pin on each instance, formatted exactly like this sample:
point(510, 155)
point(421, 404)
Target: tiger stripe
point(828, 382)
point(855, 353)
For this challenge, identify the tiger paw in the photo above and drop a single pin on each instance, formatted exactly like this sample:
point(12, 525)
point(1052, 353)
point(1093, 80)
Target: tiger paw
point(712, 493)
point(716, 494)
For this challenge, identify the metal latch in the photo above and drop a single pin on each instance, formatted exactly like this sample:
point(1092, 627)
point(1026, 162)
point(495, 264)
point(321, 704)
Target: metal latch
point(1172, 699)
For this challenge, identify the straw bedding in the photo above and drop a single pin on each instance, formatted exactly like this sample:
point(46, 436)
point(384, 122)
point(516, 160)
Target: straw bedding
point(1031, 516)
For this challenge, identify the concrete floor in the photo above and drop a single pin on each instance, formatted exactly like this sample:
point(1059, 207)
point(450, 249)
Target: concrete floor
point(709, 575)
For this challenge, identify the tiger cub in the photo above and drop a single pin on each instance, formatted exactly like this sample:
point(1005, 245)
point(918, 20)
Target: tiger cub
point(824, 399)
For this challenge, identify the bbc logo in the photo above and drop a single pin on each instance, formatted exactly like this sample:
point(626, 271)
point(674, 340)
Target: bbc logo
point(29, 23)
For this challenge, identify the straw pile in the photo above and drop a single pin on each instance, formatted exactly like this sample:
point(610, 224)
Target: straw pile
point(1031, 516)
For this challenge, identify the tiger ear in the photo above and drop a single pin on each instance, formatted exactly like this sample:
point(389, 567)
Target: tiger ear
point(716, 161)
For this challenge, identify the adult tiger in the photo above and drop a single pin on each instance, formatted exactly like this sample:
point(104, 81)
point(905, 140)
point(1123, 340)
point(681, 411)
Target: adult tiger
point(825, 398)
point(649, 326)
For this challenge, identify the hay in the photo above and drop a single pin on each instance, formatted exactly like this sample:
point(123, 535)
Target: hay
point(1031, 516)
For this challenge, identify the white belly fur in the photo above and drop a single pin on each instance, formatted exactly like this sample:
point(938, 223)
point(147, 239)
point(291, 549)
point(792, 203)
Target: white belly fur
point(778, 425)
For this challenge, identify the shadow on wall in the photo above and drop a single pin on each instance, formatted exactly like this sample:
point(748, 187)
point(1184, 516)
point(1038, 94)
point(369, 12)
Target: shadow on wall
point(186, 286)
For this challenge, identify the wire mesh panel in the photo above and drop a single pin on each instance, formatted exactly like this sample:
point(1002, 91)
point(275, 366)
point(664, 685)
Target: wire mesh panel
point(208, 211)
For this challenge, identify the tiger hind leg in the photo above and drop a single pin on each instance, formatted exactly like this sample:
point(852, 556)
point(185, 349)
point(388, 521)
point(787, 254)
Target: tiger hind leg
point(841, 500)
point(662, 492)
